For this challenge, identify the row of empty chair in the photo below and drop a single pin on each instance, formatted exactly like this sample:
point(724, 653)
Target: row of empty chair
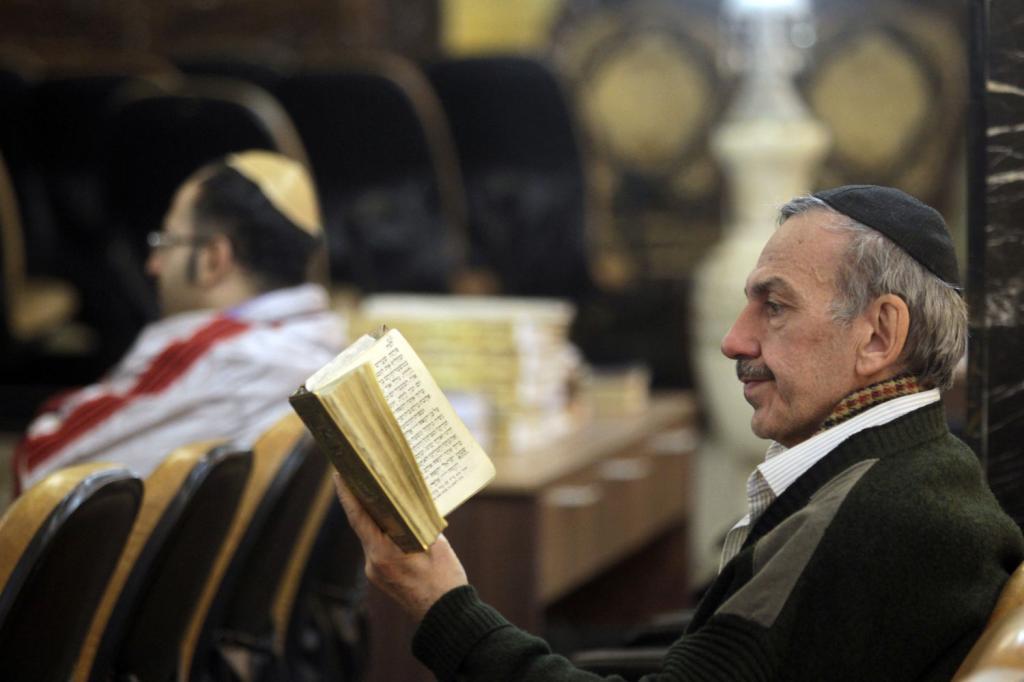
point(459, 175)
point(425, 171)
point(221, 565)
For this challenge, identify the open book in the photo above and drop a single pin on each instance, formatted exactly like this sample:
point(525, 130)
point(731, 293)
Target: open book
point(394, 437)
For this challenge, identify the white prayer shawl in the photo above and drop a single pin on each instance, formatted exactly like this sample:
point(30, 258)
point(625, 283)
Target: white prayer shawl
point(191, 377)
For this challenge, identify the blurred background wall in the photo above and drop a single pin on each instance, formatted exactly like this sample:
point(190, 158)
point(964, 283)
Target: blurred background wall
point(646, 84)
point(641, 199)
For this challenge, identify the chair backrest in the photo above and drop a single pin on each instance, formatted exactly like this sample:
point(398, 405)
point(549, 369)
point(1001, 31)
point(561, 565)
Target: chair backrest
point(241, 598)
point(521, 165)
point(67, 221)
point(1001, 645)
point(17, 84)
point(158, 140)
point(55, 117)
point(69, 125)
point(266, 554)
point(59, 544)
point(327, 637)
point(225, 63)
point(12, 259)
point(286, 594)
point(32, 307)
point(187, 509)
point(386, 172)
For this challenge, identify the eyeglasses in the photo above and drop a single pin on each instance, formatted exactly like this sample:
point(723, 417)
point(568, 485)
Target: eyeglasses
point(164, 240)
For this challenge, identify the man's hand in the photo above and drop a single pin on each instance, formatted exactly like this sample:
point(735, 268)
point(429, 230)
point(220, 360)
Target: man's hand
point(415, 580)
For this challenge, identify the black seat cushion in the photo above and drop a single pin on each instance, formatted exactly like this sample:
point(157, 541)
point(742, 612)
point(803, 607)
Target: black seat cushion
point(144, 634)
point(521, 165)
point(66, 568)
point(375, 178)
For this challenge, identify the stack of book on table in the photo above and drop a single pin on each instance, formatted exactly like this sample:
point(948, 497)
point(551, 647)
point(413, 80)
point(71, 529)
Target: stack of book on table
point(505, 363)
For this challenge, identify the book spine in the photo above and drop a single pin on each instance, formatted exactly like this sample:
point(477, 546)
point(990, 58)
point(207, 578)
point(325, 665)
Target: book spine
point(332, 442)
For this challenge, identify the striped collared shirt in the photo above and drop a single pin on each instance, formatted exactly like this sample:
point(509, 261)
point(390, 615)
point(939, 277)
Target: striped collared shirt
point(784, 465)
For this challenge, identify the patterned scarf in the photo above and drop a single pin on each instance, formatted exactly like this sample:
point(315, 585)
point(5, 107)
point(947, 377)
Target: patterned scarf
point(869, 396)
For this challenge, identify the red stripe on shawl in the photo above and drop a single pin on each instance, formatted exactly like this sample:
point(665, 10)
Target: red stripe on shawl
point(171, 364)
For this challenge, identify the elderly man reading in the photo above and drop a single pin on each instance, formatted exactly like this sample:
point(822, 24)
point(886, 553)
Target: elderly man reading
point(873, 549)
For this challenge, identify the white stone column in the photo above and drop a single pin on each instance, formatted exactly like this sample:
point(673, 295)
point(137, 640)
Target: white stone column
point(769, 146)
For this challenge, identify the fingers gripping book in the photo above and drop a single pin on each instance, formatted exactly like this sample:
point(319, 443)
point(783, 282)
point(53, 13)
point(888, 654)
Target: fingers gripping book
point(379, 416)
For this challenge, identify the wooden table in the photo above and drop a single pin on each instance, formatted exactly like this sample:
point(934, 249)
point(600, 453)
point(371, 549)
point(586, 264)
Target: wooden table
point(557, 517)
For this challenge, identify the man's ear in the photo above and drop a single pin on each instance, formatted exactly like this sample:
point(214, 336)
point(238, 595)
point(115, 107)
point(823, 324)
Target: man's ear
point(887, 322)
point(215, 261)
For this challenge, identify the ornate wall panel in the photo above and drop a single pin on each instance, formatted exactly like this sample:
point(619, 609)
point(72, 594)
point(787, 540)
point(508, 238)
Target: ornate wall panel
point(888, 78)
point(995, 424)
point(647, 90)
point(891, 83)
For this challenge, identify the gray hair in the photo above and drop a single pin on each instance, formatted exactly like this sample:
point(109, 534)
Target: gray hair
point(872, 266)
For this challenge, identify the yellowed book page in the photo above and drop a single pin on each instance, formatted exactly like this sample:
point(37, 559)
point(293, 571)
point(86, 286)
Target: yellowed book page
point(342, 364)
point(351, 403)
point(401, 459)
point(349, 463)
point(454, 465)
point(366, 446)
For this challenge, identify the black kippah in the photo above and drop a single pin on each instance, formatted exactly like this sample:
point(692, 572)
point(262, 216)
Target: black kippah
point(913, 225)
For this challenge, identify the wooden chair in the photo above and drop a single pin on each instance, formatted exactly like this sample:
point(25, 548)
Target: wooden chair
point(36, 322)
point(238, 630)
point(68, 313)
point(59, 544)
point(328, 636)
point(1000, 649)
point(55, 116)
point(18, 79)
point(158, 139)
point(516, 141)
point(387, 177)
point(266, 71)
point(186, 511)
point(32, 307)
point(67, 136)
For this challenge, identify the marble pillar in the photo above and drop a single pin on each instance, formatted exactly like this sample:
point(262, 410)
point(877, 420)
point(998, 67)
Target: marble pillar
point(770, 147)
point(995, 282)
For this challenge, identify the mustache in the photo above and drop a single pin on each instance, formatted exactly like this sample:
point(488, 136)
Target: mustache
point(746, 370)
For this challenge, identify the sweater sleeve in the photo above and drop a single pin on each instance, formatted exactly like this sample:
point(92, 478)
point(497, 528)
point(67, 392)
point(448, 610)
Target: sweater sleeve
point(874, 575)
point(463, 638)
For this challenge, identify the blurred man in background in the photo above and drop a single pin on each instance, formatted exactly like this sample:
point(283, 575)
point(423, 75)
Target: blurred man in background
point(242, 326)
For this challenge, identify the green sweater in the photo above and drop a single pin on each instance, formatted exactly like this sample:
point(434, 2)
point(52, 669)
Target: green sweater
point(882, 562)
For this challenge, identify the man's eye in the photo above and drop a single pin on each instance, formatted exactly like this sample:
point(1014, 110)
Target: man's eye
point(773, 307)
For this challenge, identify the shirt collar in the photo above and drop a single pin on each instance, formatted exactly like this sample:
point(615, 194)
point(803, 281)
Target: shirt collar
point(784, 465)
point(277, 304)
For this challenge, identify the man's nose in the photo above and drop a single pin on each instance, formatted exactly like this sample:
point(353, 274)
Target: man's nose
point(740, 340)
